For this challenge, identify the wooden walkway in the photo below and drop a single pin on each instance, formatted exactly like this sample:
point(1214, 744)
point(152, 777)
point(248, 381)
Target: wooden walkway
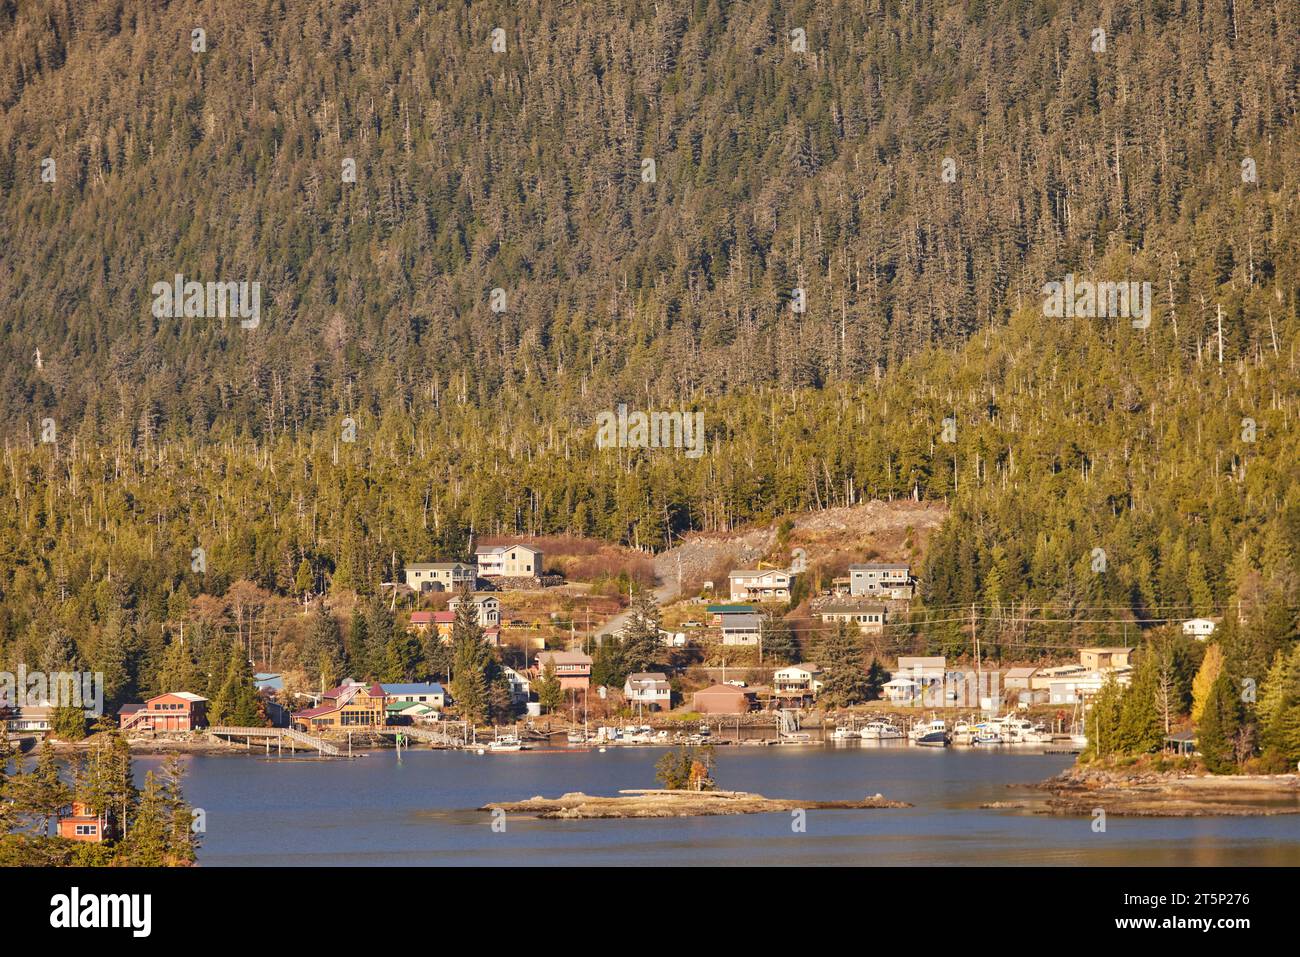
point(279, 736)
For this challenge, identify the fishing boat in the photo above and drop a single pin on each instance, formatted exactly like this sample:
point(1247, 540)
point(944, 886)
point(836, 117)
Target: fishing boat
point(880, 731)
point(932, 733)
point(985, 735)
point(842, 734)
point(506, 742)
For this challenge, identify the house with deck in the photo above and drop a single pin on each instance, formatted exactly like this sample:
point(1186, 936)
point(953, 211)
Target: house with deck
point(798, 683)
point(650, 689)
point(350, 706)
point(868, 619)
point(173, 711)
point(755, 584)
point(881, 580)
point(573, 668)
point(508, 561)
point(742, 629)
point(439, 576)
point(487, 609)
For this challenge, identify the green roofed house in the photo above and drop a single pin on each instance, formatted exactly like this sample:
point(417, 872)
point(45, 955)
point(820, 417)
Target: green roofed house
point(718, 612)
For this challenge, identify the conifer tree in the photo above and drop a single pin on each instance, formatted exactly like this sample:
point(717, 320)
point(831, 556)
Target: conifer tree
point(1218, 727)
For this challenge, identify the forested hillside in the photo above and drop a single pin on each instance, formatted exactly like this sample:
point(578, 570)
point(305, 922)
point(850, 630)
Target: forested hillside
point(523, 170)
point(1170, 157)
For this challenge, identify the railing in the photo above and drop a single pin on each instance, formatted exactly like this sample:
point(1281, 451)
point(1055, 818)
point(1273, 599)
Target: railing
point(279, 734)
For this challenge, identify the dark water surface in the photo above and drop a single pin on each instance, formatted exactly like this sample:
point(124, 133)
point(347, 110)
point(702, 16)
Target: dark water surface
point(379, 810)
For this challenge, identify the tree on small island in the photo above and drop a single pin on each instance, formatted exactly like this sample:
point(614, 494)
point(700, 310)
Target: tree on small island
point(686, 769)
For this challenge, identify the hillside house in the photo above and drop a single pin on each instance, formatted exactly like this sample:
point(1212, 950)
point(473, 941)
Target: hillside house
point(723, 699)
point(925, 671)
point(881, 580)
point(173, 711)
point(869, 619)
point(487, 609)
point(742, 629)
point(439, 576)
point(508, 561)
point(80, 823)
point(420, 692)
point(717, 613)
point(521, 687)
point(771, 584)
point(1198, 628)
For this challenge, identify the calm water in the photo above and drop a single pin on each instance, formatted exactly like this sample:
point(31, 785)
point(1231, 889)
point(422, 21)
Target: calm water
point(377, 810)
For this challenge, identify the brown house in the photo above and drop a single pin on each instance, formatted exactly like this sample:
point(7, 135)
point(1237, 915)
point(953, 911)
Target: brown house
point(573, 668)
point(173, 711)
point(348, 706)
point(723, 699)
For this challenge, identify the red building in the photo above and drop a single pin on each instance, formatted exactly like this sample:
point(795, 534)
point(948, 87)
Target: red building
point(173, 711)
point(82, 824)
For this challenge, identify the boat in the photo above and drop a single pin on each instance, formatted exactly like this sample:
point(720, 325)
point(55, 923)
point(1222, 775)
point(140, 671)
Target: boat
point(842, 734)
point(506, 742)
point(880, 731)
point(932, 733)
point(577, 737)
point(986, 736)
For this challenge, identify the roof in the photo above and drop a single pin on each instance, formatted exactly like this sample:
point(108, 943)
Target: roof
point(315, 712)
point(728, 689)
point(806, 667)
point(1021, 672)
point(502, 549)
point(757, 571)
point(564, 657)
point(477, 598)
point(183, 695)
point(742, 623)
point(729, 609)
point(647, 676)
point(413, 687)
point(900, 683)
point(440, 566)
point(847, 608)
point(880, 565)
point(1107, 650)
point(932, 661)
point(130, 708)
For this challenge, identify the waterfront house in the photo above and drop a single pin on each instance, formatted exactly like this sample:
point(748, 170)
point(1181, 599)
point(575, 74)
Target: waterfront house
point(723, 699)
point(1104, 659)
point(881, 580)
point(1198, 628)
point(80, 823)
point(26, 719)
point(417, 692)
point(487, 609)
point(173, 711)
point(573, 668)
point(1081, 688)
point(869, 619)
point(797, 683)
point(351, 706)
point(771, 584)
point(742, 629)
point(901, 689)
point(924, 670)
point(649, 689)
point(439, 576)
point(521, 687)
point(508, 561)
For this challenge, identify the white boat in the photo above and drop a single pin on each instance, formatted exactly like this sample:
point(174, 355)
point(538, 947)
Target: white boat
point(506, 743)
point(842, 734)
point(880, 731)
point(986, 736)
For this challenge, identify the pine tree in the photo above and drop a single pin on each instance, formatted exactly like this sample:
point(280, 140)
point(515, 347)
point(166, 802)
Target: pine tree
point(550, 694)
point(877, 678)
point(1218, 727)
point(237, 703)
point(470, 668)
point(1141, 729)
point(148, 839)
point(39, 794)
point(323, 657)
point(640, 642)
point(844, 674)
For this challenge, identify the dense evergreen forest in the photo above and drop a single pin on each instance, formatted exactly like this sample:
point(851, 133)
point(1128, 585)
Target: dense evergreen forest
point(917, 170)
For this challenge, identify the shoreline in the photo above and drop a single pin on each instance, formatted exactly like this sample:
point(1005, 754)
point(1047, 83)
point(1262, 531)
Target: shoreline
point(661, 803)
point(1140, 793)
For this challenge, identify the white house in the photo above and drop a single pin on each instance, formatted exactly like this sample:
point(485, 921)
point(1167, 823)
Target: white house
point(439, 576)
point(649, 689)
point(487, 607)
point(797, 681)
point(925, 671)
point(901, 689)
point(770, 584)
point(508, 561)
point(880, 580)
point(1198, 628)
point(520, 687)
point(869, 619)
point(1082, 687)
point(742, 629)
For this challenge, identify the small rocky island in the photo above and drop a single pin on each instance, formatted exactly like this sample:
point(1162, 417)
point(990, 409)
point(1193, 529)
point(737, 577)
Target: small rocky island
point(672, 803)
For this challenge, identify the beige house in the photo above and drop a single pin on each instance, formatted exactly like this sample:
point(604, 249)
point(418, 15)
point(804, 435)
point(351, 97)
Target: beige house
point(869, 619)
point(509, 561)
point(439, 576)
point(487, 607)
point(1104, 659)
point(771, 584)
